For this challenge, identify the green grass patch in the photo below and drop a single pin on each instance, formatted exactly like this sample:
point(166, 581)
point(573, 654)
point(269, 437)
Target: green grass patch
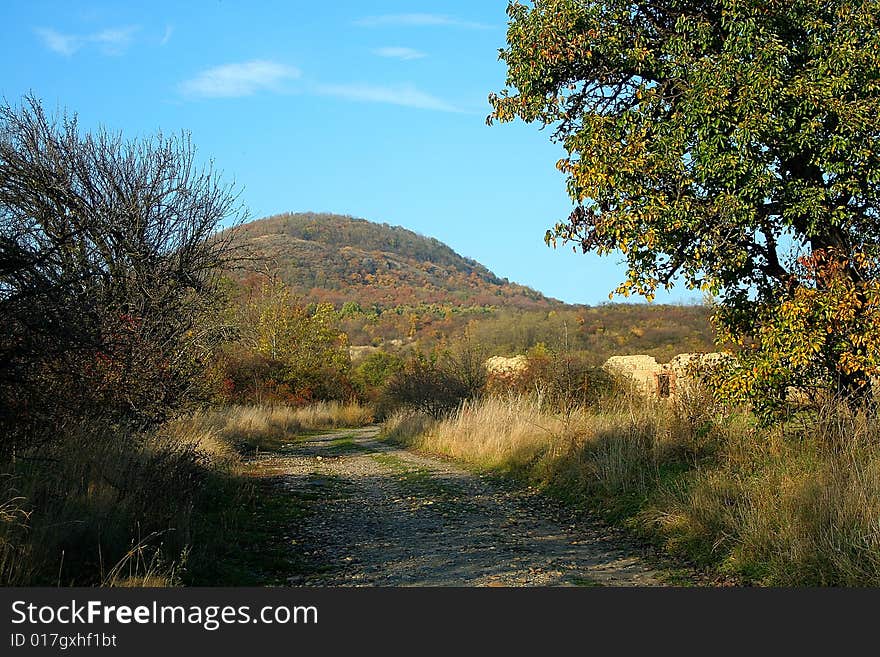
point(345, 445)
point(423, 484)
point(585, 581)
point(246, 547)
point(261, 546)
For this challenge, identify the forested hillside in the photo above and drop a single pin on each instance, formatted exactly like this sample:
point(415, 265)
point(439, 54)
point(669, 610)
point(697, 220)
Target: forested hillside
point(327, 257)
point(389, 283)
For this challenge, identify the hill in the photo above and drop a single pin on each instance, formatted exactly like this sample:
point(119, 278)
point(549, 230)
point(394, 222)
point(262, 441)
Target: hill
point(339, 259)
point(395, 286)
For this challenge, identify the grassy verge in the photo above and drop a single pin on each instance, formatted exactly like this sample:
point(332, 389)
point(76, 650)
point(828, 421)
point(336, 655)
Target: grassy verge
point(266, 427)
point(116, 508)
point(792, 505)
point(175, 506)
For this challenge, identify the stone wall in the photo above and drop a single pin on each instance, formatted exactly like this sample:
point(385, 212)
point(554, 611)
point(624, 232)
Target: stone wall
point(504, 370)
point(661, 380)
point(642, 370)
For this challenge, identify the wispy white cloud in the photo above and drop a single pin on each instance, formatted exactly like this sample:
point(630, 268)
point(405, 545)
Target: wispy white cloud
point(166, 37)
point(404, 95)
point(112, 41)
point(399, 52)
point(241, 79)
point(419, 20)
point(248, 78)
point(64, 44)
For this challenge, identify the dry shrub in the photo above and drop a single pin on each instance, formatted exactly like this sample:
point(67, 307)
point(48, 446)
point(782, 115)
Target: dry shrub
point(431, 386)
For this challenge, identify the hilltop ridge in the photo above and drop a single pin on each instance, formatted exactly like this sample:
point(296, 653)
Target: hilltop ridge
point(336, 258)
point(394, 285)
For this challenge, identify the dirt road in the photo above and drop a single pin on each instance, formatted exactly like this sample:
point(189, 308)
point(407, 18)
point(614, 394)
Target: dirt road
point(377, 515)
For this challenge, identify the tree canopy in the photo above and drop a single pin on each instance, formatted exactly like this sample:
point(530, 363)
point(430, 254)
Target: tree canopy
point(728, 145)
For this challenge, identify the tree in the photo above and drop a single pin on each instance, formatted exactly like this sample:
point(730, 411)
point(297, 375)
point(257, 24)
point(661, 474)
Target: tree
point(283, 346)
point(729, 145)
point(376, 369)
point(109, 265)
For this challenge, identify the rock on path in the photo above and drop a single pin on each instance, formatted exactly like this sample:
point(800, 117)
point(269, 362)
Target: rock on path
point(378, 515)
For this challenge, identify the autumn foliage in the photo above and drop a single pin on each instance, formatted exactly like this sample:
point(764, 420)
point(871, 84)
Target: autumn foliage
point(281, 350)
point(827, 327)
point(716, 144)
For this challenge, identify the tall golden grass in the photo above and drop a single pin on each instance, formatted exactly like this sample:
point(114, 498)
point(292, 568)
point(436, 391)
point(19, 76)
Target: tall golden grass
point(262, 425)
point(104, 506)
point(797, 504)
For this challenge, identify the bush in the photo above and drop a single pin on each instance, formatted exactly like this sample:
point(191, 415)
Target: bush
point(373, 374)
point(109, 268)
point(284, 352)
point(565, 380)
point(247, 377)
point(434, 385)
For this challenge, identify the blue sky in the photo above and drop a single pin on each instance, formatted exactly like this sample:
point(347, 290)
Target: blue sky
point(374, 109)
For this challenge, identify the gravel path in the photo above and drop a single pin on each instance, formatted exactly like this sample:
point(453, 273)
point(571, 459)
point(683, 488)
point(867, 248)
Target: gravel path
point(378, 515)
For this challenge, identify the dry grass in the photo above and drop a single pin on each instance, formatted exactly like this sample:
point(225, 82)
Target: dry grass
point(333, 415)
point(262, 426)
point(115, 508)
point(793, 505)
point(408, 426)
point(492, 432)
point(73, 508)
point(783, 507)
point(517, 434)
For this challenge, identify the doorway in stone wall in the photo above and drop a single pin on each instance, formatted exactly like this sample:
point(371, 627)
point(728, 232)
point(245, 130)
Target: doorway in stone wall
point(665, 384)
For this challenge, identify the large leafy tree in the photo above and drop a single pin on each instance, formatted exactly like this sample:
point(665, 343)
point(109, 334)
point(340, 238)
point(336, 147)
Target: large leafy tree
point(730, 145)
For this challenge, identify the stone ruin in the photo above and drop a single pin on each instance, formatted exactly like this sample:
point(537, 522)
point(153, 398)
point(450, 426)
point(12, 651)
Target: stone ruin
point(661, 380)
point(504, 370)
point(647, 375)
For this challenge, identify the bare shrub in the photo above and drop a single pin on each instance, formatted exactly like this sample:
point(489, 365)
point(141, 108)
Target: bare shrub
point(108, 274)
point(434, 386)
